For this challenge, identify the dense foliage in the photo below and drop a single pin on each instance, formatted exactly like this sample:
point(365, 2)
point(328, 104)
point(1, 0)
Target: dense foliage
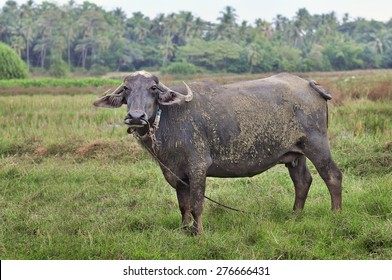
point(11, 66)
point(85, 37)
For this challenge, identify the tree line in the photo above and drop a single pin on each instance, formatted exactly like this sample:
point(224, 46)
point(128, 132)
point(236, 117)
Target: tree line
point(85, 37)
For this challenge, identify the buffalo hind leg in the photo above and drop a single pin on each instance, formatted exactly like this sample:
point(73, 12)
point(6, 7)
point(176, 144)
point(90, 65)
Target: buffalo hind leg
point(320, 156)
point(332, 177)
point(302, 179)
point(183, 197)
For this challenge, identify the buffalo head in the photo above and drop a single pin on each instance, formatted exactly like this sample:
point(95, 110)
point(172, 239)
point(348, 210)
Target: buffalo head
point(142, 92)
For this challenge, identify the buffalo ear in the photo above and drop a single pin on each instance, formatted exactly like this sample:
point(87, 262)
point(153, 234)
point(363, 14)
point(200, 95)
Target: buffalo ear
point(110, 101)
point(169, 98)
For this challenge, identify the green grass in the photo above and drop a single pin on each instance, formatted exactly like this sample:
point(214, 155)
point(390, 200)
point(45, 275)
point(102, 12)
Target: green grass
point(74, 185)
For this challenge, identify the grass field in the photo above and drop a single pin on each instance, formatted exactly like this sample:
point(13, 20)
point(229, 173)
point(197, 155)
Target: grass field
point(75, 185)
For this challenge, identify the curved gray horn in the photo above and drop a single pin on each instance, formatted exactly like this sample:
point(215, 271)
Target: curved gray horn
point(179, 96)
point(189, 95)
point(115, 92)
point(112, 100)
point(118, 89)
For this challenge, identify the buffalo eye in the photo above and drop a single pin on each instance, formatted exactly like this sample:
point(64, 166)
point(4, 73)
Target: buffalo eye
point(154, 88)
point(126, 88)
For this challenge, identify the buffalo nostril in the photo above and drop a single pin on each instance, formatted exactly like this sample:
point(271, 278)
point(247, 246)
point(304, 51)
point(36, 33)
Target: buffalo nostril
point(143, 117)
point(136, 115)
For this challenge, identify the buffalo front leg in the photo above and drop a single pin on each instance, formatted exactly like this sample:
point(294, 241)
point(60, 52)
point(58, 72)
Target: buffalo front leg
point(302, 180)
point(183, 196)
point(197, 189)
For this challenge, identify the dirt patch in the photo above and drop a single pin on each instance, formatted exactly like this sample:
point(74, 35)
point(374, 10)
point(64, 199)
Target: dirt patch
point(109, 150)
point(41, 151)
point(92, 148)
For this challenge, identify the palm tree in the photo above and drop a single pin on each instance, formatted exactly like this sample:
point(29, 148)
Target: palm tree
point(243, 30)
point(171, 24)
point(138, 27)
point(185, 26)
point(9, 21)
point(41, 47)
point(227, 24)
point(92, 24)
point(264, 27)
point(82, 47)
point(303, 18)
point(124, 53)
point(18, 44)
point(300, 27)
point(68, 26)
point(346, 18)
point(168, 51)
point(255, 55)
point(47, 23)
point(229, 16)
point(281, 23)
point(295, 34)
point(26, 20)
point(379, 40)
point(158, 27)
point(171, 33)
point(119, 14)
point(199, 28)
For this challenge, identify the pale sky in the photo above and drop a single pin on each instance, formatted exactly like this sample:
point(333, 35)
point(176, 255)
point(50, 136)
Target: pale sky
point(248, 10)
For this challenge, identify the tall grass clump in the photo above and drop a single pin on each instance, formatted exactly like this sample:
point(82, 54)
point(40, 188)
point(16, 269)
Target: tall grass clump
point(11, 66)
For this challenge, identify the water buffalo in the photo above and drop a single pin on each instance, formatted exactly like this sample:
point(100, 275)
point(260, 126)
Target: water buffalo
point(235, 130)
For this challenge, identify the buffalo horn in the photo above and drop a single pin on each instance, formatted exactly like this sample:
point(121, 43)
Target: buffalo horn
point(119, 89)
point(180, 96)
point(189, 95)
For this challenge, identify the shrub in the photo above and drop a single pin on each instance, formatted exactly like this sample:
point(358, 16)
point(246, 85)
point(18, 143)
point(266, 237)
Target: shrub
point(11, 66)
point(58, 68)
point(387, 59)
point(182, 68)
point(98, 70)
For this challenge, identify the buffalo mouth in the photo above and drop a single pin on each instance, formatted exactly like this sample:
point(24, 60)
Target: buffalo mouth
point(132, 123)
